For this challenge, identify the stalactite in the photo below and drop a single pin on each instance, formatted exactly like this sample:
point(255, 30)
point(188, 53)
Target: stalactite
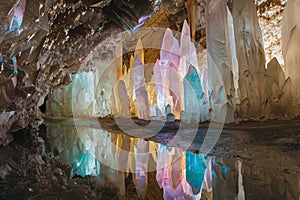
point(191, 8)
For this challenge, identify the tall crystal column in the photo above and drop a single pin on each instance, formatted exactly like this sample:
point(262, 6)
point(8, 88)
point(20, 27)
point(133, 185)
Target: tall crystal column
point(195, 107)
point(219, 68)
point(290, 48)
point(139, 88)
point(251, 58)
point(171, 75)
point(161, 86)
point(124, 99)
point(119, 61)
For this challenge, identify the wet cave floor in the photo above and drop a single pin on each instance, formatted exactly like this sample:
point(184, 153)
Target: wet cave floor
point(39, 164)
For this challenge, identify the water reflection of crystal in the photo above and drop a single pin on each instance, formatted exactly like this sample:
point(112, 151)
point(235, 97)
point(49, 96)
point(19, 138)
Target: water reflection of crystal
point(115, 159)
point(95, 152)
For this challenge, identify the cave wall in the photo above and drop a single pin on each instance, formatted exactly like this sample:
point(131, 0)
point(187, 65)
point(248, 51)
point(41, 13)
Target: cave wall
point(48, 41)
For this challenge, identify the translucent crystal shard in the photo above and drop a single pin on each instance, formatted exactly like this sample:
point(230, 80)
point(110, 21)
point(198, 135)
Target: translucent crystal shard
point(86, 95)
point(219, 68)
point(187, 49)
point(185, 43)
point(176, 90)
point(119, 61)
point(124, 99)
point(112, 100)
point(161, 85)
point(18, 14)
point(170, 49)
point(251, 58)
point(234, 61)
point(129, 81)
point(170, 72)
point(139, 88)
point(195, 106)
point(139, 51)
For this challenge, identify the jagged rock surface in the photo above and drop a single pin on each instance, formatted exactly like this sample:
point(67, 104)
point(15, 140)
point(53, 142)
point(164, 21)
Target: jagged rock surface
point(52, 40)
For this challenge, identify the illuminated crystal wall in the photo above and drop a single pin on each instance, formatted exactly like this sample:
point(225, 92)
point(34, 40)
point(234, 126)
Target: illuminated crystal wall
point(228, 81)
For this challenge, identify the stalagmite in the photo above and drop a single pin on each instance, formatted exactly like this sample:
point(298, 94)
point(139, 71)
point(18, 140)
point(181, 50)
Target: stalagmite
point(187, 50)
point(124, 99)
point(129, 82)
point(161, 85)
point(170, 117)
point(140, 91)
point(290, 48)
point(176, 90)
point(112, 100)
point(151, 90)
point(169, 53)
point(139, 51)
point(277, 100)
point(119, 61)
point(251, 59)
point(234, 61)
point(189, 58)
point(170, 58)
point(185, 42)
point(204, 78)
point(195, 106)
point(170, 71)
point(152, 112)
point(219, 69)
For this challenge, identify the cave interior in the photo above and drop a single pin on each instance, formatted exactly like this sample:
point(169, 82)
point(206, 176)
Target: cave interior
point(150, 99)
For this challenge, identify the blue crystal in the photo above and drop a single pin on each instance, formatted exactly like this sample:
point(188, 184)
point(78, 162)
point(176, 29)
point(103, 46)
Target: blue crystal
point(195, 169)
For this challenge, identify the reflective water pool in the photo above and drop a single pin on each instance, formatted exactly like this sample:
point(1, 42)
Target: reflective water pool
point(145, 169)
